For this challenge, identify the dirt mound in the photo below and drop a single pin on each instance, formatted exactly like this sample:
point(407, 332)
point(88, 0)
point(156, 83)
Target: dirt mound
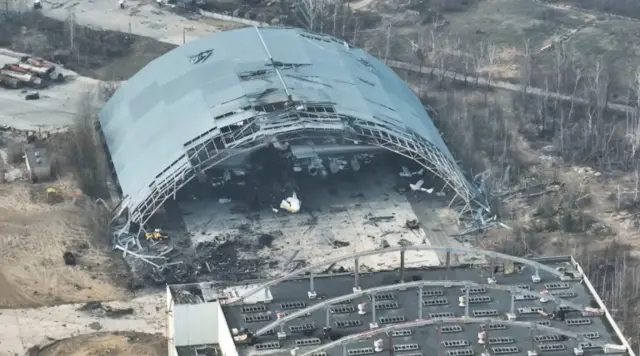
point(34, 236)
point(112, 344)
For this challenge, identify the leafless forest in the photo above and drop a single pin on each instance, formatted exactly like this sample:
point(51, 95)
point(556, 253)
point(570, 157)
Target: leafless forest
point(533, 146)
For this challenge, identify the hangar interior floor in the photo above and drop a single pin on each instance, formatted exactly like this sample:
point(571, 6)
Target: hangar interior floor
point(340, 216)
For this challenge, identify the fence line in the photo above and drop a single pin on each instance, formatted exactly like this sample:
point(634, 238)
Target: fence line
point(219, 16)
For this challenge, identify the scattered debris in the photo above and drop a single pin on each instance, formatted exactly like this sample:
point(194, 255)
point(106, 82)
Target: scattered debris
point(384, 243)
point(95, 326)
point(290, 259)
point(265, 240)
point(117, 313)
point(105, 310)
point(32, 96)
point(69, 258)
point(338, 243)
point(405, 242)
point(406, 173)
point(156, 235)
point(413, 224)
point(89, 306)
point(381, 218)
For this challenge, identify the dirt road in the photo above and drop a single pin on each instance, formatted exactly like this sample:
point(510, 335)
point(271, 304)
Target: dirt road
point(143, 18)
point(112, 344)
point(10, 294)
point(499, 84)
point(21, 329)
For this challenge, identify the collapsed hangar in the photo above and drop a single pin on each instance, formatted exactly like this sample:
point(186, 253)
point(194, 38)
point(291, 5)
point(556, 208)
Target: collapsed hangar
point(209, 103)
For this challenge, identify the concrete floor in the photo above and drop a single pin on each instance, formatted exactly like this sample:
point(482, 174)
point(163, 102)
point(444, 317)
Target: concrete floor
point(57, 105)
point(366, 213)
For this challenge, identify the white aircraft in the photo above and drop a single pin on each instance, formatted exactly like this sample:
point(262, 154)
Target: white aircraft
point(406, 173)
point(291, 204)
point(418, 187)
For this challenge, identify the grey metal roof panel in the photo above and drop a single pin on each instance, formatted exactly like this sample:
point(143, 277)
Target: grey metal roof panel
point(177, 96)
point(195, 324)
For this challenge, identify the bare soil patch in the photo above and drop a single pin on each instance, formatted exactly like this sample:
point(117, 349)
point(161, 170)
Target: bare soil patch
point(112, 344)
point(34, 235)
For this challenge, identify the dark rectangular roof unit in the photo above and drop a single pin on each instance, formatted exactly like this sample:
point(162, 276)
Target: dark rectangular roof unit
point(434, 302)
point(399, 333)
point(432, 293)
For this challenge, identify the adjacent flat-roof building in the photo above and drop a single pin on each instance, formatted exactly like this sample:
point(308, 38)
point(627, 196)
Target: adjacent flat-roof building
point(510, 306)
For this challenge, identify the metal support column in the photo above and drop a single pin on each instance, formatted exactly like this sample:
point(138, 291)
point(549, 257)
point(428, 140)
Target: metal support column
point(466, 301)
point(328, 317)
point(448, 263)
point(420, 302)
point(533, 337)
point(402, 266)
point(439, 339)
point(493, 263)
point(356, 274)
point(373, 308)
point(512, 310)
point(312, 285)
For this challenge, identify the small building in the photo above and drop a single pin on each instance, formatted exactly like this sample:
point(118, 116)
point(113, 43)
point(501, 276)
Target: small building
point(38, 163)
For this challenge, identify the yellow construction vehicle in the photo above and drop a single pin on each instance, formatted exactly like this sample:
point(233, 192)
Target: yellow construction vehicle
point(156, 235)
point(53, 196)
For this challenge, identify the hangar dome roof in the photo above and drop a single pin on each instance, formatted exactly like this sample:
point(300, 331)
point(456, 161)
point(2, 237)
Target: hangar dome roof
point(204, 85)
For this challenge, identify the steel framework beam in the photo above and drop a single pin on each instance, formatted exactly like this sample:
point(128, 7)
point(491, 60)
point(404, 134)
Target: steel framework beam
point(536, 265)
point(393, 139)
point(417, 323)
point(418, 284)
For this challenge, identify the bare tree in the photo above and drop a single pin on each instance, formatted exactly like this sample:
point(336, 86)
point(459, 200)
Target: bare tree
point(526, 68)
point(313, 13)
point(491, 58)
point(71, 23)
point(387, 43)
point(633, 119)
point(82, 152)
point(479, 58)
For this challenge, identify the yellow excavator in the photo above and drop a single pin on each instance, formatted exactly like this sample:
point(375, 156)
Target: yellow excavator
point(156, 235)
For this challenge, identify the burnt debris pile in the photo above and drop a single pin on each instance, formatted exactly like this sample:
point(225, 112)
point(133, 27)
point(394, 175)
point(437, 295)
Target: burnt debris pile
point(210, 261)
